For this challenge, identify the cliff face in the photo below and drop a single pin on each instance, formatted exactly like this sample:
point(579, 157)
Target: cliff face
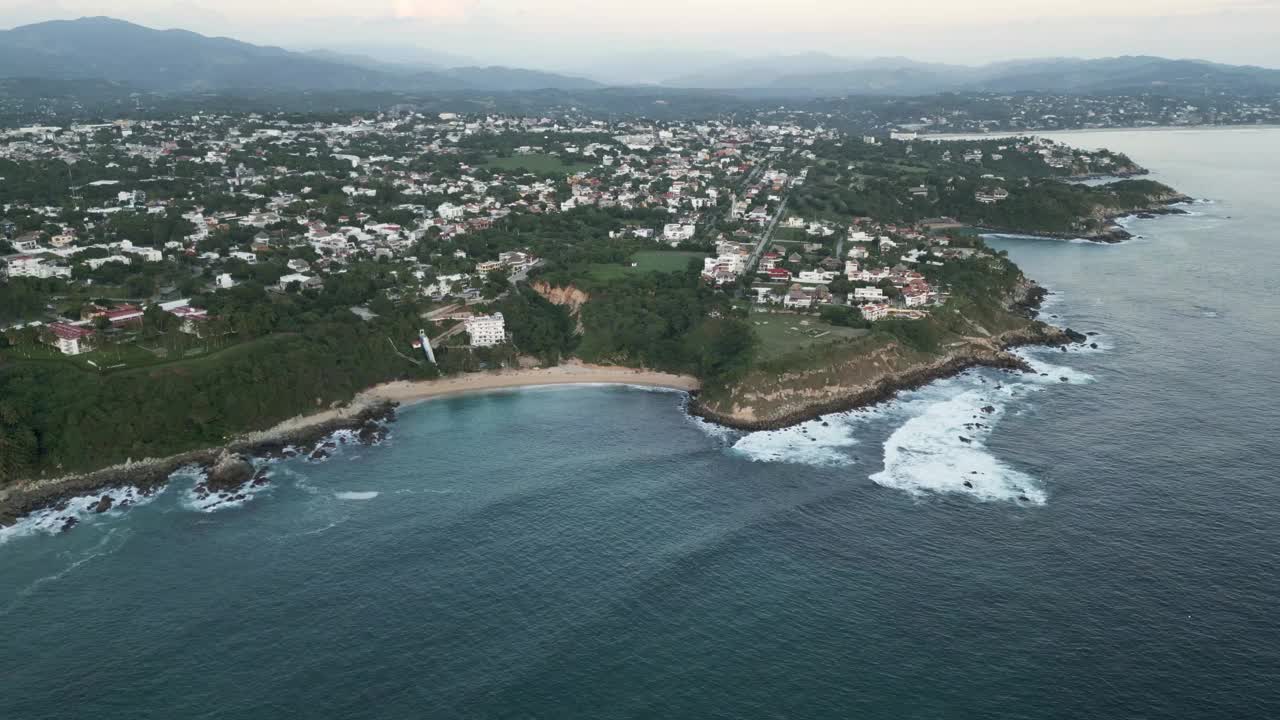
point(857, 376)
point(568, 296)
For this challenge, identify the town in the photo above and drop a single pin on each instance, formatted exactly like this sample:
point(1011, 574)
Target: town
point(150, 214)
point(407, 245)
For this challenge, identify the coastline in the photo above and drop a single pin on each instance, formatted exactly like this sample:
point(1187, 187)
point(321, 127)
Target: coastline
point(229, 468)
point(887, 386)
point(1112, 232)
point(992, 352)
point(367, 413)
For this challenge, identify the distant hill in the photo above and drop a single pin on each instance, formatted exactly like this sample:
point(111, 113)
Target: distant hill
point(826, 74)
point(177, 61)
point(182, 61)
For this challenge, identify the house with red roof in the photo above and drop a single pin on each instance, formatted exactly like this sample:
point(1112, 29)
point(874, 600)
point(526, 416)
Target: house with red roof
point(71, 339)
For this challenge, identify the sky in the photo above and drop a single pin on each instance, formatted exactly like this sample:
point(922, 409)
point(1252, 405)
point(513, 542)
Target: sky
point(651, 39)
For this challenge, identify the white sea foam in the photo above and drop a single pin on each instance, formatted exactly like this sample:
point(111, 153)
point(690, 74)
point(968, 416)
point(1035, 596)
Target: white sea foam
point(50, 521)
point(656, 389)
point(355, 495)
point(942, 448)
point(215, 501)
point(1046, 372)
point(817, 442)
point(726, 435)
point(809, 443)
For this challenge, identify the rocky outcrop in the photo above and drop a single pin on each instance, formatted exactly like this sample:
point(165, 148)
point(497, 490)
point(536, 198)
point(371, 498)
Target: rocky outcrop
point(229, 472)
point(786, 414)
point(792, 406)
point(568, 297)
point(22, 499)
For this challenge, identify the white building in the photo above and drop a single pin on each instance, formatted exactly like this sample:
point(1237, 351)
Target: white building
point(815, 277)
point(34, 267)
point(71, 339)
point(95, 263)
point(451, 212)
point(487, 330)
point(874, 312)
point(677, 232)
point(868, 293)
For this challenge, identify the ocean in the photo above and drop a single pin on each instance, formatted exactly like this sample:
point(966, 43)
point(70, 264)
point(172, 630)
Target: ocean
point(593, 552)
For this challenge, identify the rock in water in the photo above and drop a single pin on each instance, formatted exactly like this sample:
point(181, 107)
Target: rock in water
point(260, 477)
point(104, 504)
point(371, 433)
point(230, 472)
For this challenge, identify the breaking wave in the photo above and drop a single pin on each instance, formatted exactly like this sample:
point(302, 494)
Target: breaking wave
point(943, 450)
point(65, 516)
point(817, 442)
point(355, 495)
point(937, 435)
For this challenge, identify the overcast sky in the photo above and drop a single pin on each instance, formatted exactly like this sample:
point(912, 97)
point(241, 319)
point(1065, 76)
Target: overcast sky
point(582, 34)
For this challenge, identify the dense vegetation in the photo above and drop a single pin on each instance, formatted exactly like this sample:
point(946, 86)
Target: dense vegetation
point(668, 321)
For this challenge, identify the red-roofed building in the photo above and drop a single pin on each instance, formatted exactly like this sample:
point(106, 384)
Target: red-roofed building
point(124, 315)
point(70, 339)
point(193, 319)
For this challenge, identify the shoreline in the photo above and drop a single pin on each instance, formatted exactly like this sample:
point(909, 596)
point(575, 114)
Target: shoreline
point(229, 468)
point(888, 386)
point(1111, 234)
point(1026, 302)
point(412, 392)
point(367, 413)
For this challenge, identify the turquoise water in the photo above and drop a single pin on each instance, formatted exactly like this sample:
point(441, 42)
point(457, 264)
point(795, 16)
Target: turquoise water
point(592, 552)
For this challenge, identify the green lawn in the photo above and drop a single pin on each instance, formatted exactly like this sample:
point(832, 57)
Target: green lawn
point(665, 260)
point(647, 261)
point(783, 333)
point(541, 164)
point(109, 356)
point(125, 357)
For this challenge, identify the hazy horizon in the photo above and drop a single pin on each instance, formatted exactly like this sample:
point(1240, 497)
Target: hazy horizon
point(628, 42)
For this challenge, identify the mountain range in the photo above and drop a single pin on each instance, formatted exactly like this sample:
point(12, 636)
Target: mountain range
point(826, 74)
point(172, 61)
point(182, 61)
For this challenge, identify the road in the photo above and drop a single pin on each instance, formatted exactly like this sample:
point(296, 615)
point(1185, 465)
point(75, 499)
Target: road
point(746, 183)
point(767, 236)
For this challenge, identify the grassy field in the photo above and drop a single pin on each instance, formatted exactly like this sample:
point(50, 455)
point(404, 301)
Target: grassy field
point(665, 260)
point(648, 261)
point(783, 333)
point(125, 357)
point(541, 164)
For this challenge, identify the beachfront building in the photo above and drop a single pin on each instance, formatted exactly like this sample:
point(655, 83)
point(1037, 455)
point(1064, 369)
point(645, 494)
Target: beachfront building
point(487, 330)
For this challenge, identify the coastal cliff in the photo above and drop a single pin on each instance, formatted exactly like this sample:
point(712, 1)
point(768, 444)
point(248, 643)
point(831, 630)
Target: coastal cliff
point(857, 378)
point(228, 465)
point(874, 368)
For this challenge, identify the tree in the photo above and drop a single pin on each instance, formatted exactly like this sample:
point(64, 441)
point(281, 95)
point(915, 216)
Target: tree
point(495, 284)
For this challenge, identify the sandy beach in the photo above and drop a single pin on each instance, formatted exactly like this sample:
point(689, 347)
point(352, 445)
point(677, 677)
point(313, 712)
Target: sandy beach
point(408, 392)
